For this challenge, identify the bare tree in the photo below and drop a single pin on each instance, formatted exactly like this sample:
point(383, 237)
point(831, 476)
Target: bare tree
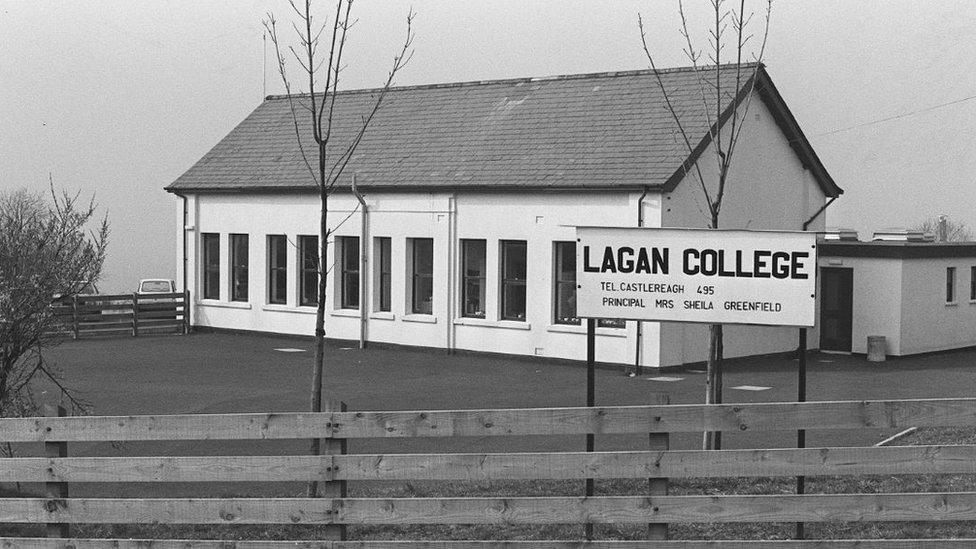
point(726, 117)
point(46, 254)
point(945, 229)
point(328, 160)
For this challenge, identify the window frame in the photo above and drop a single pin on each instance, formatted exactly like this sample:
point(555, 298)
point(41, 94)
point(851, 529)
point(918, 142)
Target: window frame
point(559, 282)
point(276, 243)
point(950, 285)
point(506, 284)
point(972, 283)
point(482, 279)
point(348, 272)
point(416, 276)
point(308, 297)
point(383, 273)
point(210, 265)
point(239, 267)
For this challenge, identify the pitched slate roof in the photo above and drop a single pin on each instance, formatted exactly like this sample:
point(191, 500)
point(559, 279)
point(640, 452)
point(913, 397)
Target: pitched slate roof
point(590, 131)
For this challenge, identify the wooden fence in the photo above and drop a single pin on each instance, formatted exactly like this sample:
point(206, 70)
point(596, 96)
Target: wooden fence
point(656, 508)
point(124, 314)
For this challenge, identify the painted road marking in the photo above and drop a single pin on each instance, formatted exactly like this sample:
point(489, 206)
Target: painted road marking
point(752, 388)
point(665, 379)
point(290, 350)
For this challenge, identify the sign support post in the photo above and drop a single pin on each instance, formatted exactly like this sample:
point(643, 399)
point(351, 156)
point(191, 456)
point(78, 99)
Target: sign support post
point(590, 401)
point(801, 396)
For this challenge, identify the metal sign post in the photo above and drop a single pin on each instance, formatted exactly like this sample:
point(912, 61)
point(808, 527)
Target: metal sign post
point(801, 396)
point(590, 400)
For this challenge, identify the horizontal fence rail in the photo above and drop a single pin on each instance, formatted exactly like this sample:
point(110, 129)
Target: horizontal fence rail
point(79, 543)
point(775, 416)
point(933, 506)
point(123, 313)
point(884, 460)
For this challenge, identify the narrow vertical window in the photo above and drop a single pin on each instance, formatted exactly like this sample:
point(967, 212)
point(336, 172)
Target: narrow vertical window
point(422, 275)
point(381, 247)
point(238, 267)
point(277, 269)
point(565, 289)
point(972, 283)
point(308, 283)
point(950, 284)
point(513, 279)
point(211, 265)
point(473, 278)
point(348, 250)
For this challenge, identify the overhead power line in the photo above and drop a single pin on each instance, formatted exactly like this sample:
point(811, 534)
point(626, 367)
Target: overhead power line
point(897, 116)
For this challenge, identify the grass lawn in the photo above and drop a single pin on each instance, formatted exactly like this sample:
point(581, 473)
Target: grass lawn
point(759, 531)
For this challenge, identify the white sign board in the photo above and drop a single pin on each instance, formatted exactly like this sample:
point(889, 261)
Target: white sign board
point(696, 275)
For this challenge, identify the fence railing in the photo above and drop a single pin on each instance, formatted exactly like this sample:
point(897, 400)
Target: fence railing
point(133, 314)
point(659, 465)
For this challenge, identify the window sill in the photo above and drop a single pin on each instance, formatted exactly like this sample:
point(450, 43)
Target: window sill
point(972, 301)
point(382, 315)
point(275, 308)
point(223, 304)
point(574, 329)
point(952, 304)
point(426, 319)
point(507, 324)
point(349, 313)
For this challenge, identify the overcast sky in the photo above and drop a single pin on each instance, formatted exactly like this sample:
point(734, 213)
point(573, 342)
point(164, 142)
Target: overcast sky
point(119, 98)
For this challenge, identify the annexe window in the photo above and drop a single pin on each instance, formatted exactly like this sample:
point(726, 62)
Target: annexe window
point(422, 275)
point(473, 270)
point(211, 265)
point(950, 284)
point(277, 269)
point(348, 250)
point(972, 283)
point(513, 279)
point(565, 289)
point(308, 277)
point(384, 273)
point(238, 267)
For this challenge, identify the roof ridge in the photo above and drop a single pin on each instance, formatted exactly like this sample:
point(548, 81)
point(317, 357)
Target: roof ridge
point(523, 80)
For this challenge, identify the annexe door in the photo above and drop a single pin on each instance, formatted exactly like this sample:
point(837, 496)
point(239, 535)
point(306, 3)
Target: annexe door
point(836, 308)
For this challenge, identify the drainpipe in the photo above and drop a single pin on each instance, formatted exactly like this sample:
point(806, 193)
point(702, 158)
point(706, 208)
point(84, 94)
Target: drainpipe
point(640, 327)
point(363, 235)
point(451, 246)
point(185, 258)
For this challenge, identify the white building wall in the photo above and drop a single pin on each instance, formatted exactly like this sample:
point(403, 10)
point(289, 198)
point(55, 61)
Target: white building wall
point(538, 218)
point(877, 307)
point(768, 188)
point(928, 323)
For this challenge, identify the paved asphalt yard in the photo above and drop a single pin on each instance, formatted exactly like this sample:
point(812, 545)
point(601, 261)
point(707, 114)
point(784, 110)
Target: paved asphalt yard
point(213, 373)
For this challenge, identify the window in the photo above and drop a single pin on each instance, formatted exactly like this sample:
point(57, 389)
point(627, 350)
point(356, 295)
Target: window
point(211, 265)
point(381, 250)
point(422, 275)
point(565, 289)
point(950, 285)
point(308, 282)
point(513, 279)
point(277, 269)
point(238, 267)
point(348, 250)
point(972, 283)
point(473, 278)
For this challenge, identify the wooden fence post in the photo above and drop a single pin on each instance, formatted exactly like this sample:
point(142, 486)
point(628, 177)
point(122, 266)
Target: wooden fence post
point(135, 314)
point(74, 315)
point(334, 488)
point(55, 491)
point(658, 486)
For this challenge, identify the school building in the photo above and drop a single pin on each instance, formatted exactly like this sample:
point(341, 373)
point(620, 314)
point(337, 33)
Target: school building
point(471, 191)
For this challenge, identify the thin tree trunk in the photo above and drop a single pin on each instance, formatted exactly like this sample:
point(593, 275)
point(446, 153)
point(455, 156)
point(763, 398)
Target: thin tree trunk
point(318, 368)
